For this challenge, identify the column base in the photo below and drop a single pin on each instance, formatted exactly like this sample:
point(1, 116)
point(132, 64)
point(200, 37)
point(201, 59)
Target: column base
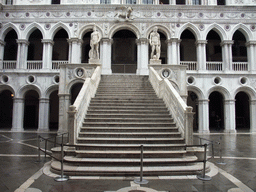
point(17, 129)
point(142, 71)
point(106, 71)
point(229, 131)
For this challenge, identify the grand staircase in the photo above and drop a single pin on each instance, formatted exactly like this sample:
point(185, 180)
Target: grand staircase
point(125, 114)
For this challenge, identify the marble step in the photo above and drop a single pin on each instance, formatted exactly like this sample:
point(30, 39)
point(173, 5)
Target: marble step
point(127, 111)
point(144, 100)
point(127, 104)
point(133, 120)
point(152, 108)
point(129, 140)
point(127, 124)
point(131, 134)
point(194, 169)
point(129, 129)
point(129, 162)
point(128, 115)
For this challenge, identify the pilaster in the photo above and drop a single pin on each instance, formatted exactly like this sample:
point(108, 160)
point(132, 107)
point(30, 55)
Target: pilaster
point(201, 54)
point(18, 114)
point(173, 51)
point(203, 110)
point(47, 53)
point(43, 124)
point(106, 55)
point(75, 50)
point(142, 56)
point(227, 54)
point(22, 53)
point(229, 116)
point(64, 102)
point(252, 116)
point(251, 51)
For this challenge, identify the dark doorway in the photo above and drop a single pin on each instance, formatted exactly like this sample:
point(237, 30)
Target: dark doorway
point(213, 48)
point(188, 46)
point(11, 47)
point(54, 111)
point(75, 91)
point(242, 111)
point(239, 49)
point(60, 47)
point(6, 107)
point(31, 110)
point(216, 111)
point(192, 101)
point(124, 52)
point(35, 48)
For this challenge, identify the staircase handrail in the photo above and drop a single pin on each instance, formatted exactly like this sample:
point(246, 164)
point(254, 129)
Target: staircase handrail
point(182, 114)
point(78, 110)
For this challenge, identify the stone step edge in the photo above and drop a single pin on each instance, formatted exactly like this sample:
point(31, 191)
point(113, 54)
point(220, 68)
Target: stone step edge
point(128, 139)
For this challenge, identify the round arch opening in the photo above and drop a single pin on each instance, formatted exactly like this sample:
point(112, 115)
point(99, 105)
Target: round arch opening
point(124, 52)
point(6, 107)
point(31, 110)
point(54, 111)
point(242, 106)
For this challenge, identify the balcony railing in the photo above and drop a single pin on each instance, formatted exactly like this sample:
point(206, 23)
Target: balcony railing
point(214, 66)
point(240, 66)
point(34, 65)
point(56, 64)
point(191, 65)
point(9, 64)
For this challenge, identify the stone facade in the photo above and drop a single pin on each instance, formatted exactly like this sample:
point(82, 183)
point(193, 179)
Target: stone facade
point(217, 43)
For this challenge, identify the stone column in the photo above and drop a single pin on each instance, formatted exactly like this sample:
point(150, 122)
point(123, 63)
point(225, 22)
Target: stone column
point(173, 51)
point(227, 54)
point(64, 102)
point(2, 44)
point(43, 124)
point(252, 116)
point(251, 51)
point(142, 56)
point(201, 54)
point(22, 53)
point(203, 110)
point(106, 56)
point(47, 53)
point(229, 116)
point(18, 114)
point(75, 45)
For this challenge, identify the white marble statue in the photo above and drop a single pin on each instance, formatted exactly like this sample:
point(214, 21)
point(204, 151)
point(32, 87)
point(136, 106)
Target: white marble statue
point(94, 43)
point(154, 41)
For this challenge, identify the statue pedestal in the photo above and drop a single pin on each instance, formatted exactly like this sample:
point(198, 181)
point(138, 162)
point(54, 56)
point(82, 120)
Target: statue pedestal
point(94, 61)
point(155, 61)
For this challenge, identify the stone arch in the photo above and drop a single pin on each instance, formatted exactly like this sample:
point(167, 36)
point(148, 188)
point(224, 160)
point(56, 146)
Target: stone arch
point(73, 82)
point(244, 30)
point(161, 28)
point(21, 92)
point(248, 90)
point(225, 93)
point(57, 27)
point(191, 27)
point(8, 27)
point(87, 28)
point(218, 29)
point(7, 87)
point(50, 89)
point(198, 92)
point(31, 28)
point(128, 27)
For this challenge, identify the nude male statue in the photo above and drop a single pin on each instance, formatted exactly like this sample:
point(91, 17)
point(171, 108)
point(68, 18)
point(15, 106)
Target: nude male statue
point(154, 41)
point(94, 43)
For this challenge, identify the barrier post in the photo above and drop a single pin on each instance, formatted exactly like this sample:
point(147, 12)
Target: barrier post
point(38, 144)
point(62, 177)
point(141, 180)
point(220, 151)
point(203, 176)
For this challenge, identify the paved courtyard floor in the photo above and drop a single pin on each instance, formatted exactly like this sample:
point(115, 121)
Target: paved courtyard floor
point(21, 171)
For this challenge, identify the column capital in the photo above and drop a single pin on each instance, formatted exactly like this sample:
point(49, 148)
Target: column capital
point(249, 43)
point(252, 102)
point(106, 40)
point(229, 101)
point(47, 41)
point(2, 42)
point(226, 42)
point(142, 41)
point(198, 42)
point(203, 101)
point(44, 100)
point(18, 100)
point(75, 40)
point(173, 40)
point(22, 41)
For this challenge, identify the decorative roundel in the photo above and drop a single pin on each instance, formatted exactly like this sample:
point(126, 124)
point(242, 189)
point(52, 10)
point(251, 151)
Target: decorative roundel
point(158, 14)
point(68, 14)
point(47, 26)
point(7, 14)
point(89, 13)
point(27, 14)
point(31, 79)
point(5, 79)
point(179, 14)
point(217, 80)
point(201, 27)
point(47, 14)
point(56, 79)
point(190, 80)
point(253, 27)
point(227, 27)
point(242, 15)
point(201, 14)
point(166, 73)
point(177, 25)
point(70, 24)
point(243, 80)
point(79, 72)
point(221, 14)
point(22, 26)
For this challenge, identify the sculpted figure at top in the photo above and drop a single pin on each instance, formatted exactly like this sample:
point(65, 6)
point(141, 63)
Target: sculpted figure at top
point(154, 41)
point(94, 43)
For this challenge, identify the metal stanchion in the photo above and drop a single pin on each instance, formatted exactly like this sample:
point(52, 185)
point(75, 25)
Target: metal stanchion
point(38, 144)
point(62, 177)
point(203, 176)
point(220, 151)
point(45, 149)
point(141, 180)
